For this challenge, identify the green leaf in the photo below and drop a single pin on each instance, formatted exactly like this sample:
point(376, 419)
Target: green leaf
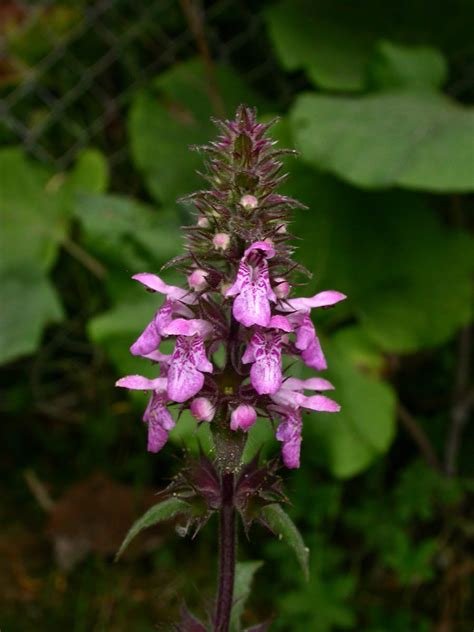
point(282, 525)
point(165, 121)
point(333, 40)
point(306, 36)
point(91, 172)
point(407, 276)
point(408, 67)
point(126, 231)
point(419, 140)
point(244, 574)
point(32, 211)
point(164, 510)
point(29, 302)
point(365, 426)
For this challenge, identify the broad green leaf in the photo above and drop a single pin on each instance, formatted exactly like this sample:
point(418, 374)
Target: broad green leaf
point(282, 525)
point(408, 67)
point(333, 40)
point(407, 276)
point(91, 172)
point(417, 140)
point(244, 574)
point(126, 231)
point(176, 113)
point(29, 302)
point(306, 36)
point(364, 429)
point(32, 213)
point(160, 512)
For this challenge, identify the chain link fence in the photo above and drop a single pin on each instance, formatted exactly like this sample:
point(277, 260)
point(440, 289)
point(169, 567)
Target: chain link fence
point(69, 68)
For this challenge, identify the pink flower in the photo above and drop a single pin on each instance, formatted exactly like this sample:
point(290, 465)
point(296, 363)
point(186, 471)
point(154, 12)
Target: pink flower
point(188, 361)
point(264, 352)
point(197, 280)
point(307, 340)
point(282, 287)
point(249, 202)
point(150, 338)
point(243, 417)
point(252, 287)
point(156, 415)
point(221, 241)
point(289, 399)
point(202, 409)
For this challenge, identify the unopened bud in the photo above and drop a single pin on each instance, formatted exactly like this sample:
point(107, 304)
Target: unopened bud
point(203, 222)
point(198, 280)
point(243, 417)
point(249, 202)
point(281, 287)
point(202, 409)
point(221, 241)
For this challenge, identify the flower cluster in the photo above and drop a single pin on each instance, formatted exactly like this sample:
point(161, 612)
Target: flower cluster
point(238, 300)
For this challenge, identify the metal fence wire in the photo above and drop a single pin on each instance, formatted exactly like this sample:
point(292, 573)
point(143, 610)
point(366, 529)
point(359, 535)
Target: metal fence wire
point(69, 68)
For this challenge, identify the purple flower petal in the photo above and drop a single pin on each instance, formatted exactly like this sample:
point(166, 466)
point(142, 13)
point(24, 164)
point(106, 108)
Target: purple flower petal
point(289, 433)
point(159, 420)
point(154, 282)
point(280, 322)
point(252, 290)
point(202, 409)
point(185, 377)
point(322, 299)
point(243, 417)
point(183, 327)
point(148, 340)
point(313, 356)
point(265, 374)
point(311, 384)
point(262, 246)
point(140, 383)
point(321, 404)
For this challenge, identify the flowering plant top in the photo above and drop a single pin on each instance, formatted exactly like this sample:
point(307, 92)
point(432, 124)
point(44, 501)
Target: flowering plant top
point(239, 296)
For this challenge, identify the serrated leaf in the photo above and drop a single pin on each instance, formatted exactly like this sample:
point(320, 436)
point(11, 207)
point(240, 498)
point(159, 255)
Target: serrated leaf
point(244, 574)
point(417, 140)
point(282, 525)
point(158, 513)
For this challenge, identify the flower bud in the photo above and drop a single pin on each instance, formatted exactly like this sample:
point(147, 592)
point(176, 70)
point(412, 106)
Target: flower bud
point(198, 280)
point(221, 241)
point(243, 417)
point(202, 409)
point(281, 287)
point(203, 222)
point(249, 202)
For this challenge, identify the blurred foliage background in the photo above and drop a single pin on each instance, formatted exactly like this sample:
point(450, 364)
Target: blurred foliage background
point(98, 104)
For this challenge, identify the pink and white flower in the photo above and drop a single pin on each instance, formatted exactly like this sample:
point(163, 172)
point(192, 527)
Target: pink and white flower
point(157, 416)
point(251, 288)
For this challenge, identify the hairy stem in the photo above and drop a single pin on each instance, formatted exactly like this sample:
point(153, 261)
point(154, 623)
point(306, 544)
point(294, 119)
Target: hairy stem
point(227, 554)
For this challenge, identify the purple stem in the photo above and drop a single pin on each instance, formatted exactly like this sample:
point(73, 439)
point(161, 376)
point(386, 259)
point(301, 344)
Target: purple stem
point(227, 550)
